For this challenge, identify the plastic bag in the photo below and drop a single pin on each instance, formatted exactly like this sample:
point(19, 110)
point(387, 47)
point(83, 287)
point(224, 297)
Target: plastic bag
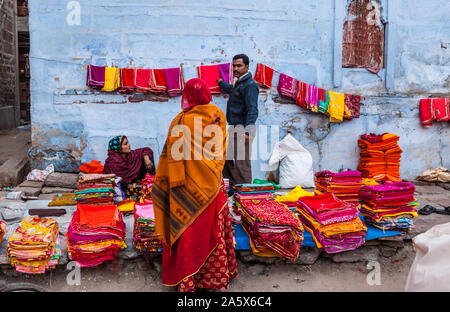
point(430, 270)
point(296, 163)
point(40, 175)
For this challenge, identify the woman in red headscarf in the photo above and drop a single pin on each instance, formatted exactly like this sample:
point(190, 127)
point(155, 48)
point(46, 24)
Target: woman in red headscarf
point(191, 206)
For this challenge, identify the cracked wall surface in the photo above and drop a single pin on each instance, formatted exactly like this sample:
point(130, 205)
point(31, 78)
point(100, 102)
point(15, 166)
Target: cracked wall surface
point(72, 124)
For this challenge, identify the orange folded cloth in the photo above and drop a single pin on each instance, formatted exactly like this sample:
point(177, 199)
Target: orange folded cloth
point(157, 81)
point(94, 166)
point(263, 75)
point(209, 74)
point(97, 216)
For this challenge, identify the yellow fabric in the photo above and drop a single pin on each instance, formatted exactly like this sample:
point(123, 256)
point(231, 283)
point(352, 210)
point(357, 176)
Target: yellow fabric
point(126, 206)
point(294, 195)
point(184, 187)
point(336, 107)
point(370, 181)
point(112, 79)
point(66, 199)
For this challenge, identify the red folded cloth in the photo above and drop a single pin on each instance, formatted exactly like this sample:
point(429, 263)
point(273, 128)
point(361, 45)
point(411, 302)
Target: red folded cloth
point(141, 80)
point(441, 109)
point(210, 74)
point(157, 81)
point(127, 76)
point(263, 75)
point(300, 96)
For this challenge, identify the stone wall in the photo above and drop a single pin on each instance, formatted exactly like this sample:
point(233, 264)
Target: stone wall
point(72, 124)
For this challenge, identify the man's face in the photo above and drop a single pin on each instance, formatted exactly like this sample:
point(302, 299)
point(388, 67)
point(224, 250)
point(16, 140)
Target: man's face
point(239, 68)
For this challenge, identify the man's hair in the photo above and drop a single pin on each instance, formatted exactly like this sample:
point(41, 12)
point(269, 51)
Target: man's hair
point(244, 58)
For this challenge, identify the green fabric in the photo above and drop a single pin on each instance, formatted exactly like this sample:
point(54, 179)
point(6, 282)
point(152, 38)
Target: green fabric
point(323, 106)
point(258, 181)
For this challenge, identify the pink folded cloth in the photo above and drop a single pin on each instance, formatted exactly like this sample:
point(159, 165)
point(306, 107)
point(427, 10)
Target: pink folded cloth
point(174, 81)
point(287, 86)
point(95, 76)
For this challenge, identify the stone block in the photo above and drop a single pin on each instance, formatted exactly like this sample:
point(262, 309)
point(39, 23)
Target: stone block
point(307, 255)
point(64, 180)
point(33, 184)
point(46, 196)
point(56, 190)
point(361, 254)
point(28, 191)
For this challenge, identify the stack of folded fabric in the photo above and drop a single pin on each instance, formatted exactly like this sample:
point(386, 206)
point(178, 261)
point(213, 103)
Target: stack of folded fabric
point(227, 184)
point(95, 189)
point(333, 223)
point(290, 199)
point(2, 230)
point(345, 185)
point(95, 234)
point(147, 184)
point(380, 157)
point(274, 230)
point(251, 191)
point(389, 206)
point(145, 239)
point(34, 245)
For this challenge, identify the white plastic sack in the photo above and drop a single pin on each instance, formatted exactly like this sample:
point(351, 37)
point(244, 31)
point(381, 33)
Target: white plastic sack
point(40, 175)
point(430, 270)
point(296, 163)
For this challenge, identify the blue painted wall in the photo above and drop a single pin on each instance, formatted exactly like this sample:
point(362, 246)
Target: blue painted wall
point(72, 124)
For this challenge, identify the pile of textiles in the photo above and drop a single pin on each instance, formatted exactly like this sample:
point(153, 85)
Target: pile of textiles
point(251, 191)
point(380, 157)
point(333, 223)
point(2, 230)
point(345, 185)
point(389, 206)
point(95, 189)
point(227, 184)
point(290, 199)
point(34, 245)
point(145, 240)
point(274, 230)
point(95, 234)
point(147, 184)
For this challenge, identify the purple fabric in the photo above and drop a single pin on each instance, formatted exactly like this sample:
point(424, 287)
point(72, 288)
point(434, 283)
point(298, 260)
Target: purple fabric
point(226, 72)
point(389, 187)
point(128, 166)
point(344, 174)
point(95, 76)
point(174, 81)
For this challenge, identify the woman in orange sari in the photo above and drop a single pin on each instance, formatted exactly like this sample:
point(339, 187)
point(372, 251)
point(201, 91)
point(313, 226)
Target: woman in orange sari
point(190, 201)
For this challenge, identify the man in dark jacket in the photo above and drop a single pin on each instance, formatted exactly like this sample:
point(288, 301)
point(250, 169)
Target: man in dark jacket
point(242, 112)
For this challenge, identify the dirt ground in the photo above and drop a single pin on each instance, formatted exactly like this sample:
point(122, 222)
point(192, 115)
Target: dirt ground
point(139, 275)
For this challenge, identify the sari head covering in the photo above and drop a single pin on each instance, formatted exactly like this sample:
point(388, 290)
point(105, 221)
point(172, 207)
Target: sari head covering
point(127, 166)
point(195, 92)
point(115, 144)
point(184, 188)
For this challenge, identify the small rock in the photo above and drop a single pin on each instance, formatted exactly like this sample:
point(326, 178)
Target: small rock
point(276, 286)
point(300, 280)
point(387, 251)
